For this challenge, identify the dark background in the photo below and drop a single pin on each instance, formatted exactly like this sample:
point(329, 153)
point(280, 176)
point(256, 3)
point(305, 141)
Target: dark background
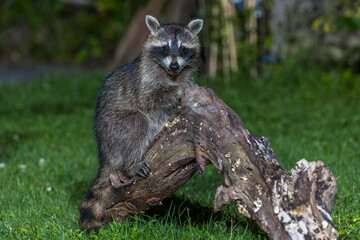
point(238, 35)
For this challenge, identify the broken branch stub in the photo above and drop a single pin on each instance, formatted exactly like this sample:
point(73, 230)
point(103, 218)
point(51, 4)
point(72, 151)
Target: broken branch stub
point(286, 205)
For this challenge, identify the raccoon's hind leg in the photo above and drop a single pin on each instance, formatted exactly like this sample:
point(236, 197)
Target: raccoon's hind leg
point(129, 140)
point(122, 141)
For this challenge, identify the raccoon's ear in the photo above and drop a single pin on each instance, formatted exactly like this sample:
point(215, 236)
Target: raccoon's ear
point(152, 24)
point(195, 26)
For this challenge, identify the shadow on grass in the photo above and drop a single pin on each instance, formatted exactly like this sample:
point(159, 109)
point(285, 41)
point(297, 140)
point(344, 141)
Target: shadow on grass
point(183, 211)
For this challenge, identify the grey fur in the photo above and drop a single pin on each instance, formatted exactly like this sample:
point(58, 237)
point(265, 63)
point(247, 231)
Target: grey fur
point(134, 104)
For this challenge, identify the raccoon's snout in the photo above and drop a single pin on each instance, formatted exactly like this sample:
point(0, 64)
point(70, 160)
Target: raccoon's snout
point(174, 67)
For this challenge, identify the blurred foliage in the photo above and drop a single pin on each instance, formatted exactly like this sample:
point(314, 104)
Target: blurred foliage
point(54, 30)
point(344, 16)
point(340, 25)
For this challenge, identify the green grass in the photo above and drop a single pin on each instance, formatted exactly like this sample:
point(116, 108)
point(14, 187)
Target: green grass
point(306, 112)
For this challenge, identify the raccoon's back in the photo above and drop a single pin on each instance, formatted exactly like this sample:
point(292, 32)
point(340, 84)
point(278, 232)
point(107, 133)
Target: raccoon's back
point(120, 87)
point(119, 91)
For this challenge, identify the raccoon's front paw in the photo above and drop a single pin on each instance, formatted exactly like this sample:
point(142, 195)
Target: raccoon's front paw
point(143, 169)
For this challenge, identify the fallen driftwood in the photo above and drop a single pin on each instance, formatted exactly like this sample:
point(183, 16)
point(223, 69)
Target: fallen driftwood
point(286, 205)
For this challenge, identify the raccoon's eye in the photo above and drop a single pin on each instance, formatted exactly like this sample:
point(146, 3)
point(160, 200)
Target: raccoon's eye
point(182, 50)
point(164, 49)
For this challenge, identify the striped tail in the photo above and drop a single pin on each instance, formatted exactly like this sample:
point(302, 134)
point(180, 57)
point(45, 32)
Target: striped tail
point(93, 206)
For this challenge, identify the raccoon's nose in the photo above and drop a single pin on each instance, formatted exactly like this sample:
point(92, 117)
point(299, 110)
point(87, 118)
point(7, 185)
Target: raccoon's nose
point(174, 66)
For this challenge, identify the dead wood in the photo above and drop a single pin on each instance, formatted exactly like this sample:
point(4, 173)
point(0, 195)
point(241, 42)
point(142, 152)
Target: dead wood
point(286, 205)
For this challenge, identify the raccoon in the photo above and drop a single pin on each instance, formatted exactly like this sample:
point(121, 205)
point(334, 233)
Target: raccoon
point(134, 103)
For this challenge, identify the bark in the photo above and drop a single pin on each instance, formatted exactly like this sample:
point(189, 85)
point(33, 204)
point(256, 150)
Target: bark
point(286, 205)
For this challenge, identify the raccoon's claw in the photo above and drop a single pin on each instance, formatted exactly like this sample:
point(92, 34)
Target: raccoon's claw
point(143, 169)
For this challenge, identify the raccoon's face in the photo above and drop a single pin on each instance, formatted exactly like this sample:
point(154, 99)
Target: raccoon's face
point(173, 55)
point(173, 46)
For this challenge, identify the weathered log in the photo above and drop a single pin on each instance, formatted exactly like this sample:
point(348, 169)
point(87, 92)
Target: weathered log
point(286, 205)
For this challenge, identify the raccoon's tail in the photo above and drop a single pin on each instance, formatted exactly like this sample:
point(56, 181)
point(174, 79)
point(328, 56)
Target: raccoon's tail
point(93, 206)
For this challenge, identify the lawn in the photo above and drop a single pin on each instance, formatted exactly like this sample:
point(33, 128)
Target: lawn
point(48, 153)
